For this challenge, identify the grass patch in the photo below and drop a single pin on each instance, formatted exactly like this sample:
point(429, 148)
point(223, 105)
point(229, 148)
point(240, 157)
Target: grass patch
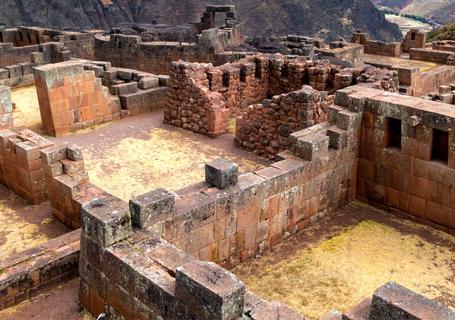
point(341, 271)
point(446, 32)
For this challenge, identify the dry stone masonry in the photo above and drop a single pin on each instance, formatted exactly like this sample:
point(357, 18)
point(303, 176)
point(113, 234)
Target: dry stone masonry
point(6, 108)
point(334, 129)
point(202, 98)
point(72, 98)
point(20, 164)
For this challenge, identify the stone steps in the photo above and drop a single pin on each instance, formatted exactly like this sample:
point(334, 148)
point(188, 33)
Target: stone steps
point(315, 142)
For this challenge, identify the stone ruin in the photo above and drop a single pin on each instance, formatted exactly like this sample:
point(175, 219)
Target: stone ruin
point(334, 129)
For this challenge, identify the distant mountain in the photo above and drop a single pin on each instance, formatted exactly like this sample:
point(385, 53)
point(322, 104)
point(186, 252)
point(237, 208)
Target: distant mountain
point(326, 18)
point(442, 11)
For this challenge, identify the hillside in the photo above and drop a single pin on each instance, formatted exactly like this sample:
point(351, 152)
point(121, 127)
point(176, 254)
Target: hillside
point(441, 11)
point(446, 32)
point(261, 17)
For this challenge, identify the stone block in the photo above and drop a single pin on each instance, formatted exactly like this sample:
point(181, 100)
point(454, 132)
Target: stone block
point(221, 173)
point(151, 208)
point(312, 146)
point(124, 88)
point(164, 80)
point(333, 112)
point(211, 291)
point(106, 220)
point(338, 138)
point(53, 154)
point(125, 74)
point(4, 74)
point(149, 82)
point(394, 302)
point(14, 71)
point(348, 120)
point(74, 153)
point(444, 89)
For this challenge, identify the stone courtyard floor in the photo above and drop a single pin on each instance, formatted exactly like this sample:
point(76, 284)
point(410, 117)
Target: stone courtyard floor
point(342, 261)
point(138, 154)
point(332, 265)
point(26, 114)
point(24, 226)
point(126, 158)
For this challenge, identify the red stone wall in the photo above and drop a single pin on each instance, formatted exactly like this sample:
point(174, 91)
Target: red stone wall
point(20, 164)
point(377, 47)
point(133, 274)
point(266, 206)
point(71, 98)
point(68, 183)
point(430, 55)
point(414, 39)
point(447, 45)
point(404, 179)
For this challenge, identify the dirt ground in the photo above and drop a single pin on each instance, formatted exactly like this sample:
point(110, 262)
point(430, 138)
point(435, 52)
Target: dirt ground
point(332, 265)
point(26, 114)
point(139, 154)
point(58, 304)
point(24, 226)
point(340, 262)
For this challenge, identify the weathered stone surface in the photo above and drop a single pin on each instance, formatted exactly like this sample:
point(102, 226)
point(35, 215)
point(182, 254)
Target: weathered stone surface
point(151, 207)
point(395, 302)
point(221, 173)
point(211, 291)
point(106, 220)
point(312, 146)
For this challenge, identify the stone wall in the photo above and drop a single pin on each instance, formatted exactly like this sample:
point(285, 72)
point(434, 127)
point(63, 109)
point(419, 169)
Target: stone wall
point(81, 44)
point(414, 39)
point(232, 27)
point(265, 128)
point(430, 55)
point(445, 94)
point(377, 47)
point(68, 183)
point(71, 98)
point(351, 53)
point(203, 97)
point(446, 45)
point(138, 91)
point(38, 269)
point(418, 83)
point(20, 164)
point(131, 274)
point(394, 302)
point(156, 57)
point(6, 108)
point(237, 222)
point(211, 44)
point(16, 63)
point(405, 165)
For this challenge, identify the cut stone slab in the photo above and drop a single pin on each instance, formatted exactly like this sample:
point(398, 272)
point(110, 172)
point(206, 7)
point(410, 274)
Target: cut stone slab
point(221, 173)
point(151, 207)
